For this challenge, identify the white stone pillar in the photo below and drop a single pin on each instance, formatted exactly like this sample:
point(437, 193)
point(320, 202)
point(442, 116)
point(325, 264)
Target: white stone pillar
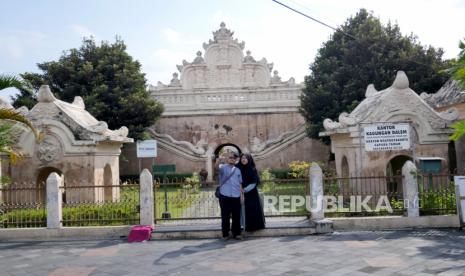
point(410, 187)
point(460, 197)
point(316, 192)
point(54, 206)
point(146, 198)
point(209, 164)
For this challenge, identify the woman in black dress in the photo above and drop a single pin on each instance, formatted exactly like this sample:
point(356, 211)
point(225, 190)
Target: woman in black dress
point(254, 218)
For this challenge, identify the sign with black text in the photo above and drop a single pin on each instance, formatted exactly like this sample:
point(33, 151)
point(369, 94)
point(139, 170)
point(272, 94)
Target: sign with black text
point(387, 137)
point(146, 148)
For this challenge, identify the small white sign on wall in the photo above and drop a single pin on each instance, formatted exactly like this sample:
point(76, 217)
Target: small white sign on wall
point(460, 193)
point(387, 137)
point(146, 148)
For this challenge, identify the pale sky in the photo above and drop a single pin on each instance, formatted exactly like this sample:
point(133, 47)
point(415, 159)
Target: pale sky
point(160, 34)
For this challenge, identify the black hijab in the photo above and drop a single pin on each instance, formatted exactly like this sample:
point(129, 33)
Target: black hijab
point(249, 172)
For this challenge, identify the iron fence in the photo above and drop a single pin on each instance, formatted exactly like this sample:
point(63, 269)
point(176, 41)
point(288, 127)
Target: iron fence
point(436, 193)
point(88, 205)
point(177, 199)
point(22, 205)
point(285, 197)
point(363, 195)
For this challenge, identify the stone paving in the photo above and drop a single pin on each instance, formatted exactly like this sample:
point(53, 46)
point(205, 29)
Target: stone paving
point(407, 252)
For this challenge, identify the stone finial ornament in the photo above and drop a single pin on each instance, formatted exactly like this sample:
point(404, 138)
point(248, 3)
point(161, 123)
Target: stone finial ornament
point(276, 78)
point(371, 90)
point(45, 95)
point(175, 80)
point(101, 127)
point(248, 58)
point(401, 81)
point(329, 124)
point(198, 59)
point(222, 33)
point(122, 131)
point(23, 110)
point(346, 120)
point(79, 102)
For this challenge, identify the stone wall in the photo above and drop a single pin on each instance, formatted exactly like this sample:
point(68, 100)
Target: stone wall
point(239, 129)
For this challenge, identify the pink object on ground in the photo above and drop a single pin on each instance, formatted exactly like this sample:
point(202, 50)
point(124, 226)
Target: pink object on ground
point(140, 233)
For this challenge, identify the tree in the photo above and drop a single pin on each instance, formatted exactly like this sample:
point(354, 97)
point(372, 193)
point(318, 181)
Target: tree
point(457, 71)
point(9, 116)
point(107, 78)
point(361, 52)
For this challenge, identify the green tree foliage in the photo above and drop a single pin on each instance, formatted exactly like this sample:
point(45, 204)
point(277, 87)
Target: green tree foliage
point(8, 117)
point(107, 78)
point(457, 71)
point(361, 52)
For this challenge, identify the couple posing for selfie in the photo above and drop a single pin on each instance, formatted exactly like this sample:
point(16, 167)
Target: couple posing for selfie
point(238, 195)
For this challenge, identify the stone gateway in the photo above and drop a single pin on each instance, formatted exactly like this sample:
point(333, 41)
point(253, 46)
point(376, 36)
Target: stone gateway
point(225, 98)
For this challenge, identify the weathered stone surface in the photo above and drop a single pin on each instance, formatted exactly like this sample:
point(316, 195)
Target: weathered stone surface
point(146, 198)
point(82, 150)
point(316, 193)
point(411, 200)
point(449, 94)
point(396, 104)
point(54, 201)
point(226, 97)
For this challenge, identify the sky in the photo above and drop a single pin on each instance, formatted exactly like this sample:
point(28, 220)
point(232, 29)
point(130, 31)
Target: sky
point(160, 34)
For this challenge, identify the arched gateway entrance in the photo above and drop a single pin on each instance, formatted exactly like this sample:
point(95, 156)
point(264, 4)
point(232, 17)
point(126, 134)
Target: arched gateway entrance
point(222, 149)
point(228, 147)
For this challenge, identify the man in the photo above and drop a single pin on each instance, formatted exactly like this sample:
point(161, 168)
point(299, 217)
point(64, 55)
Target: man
point(230, 192)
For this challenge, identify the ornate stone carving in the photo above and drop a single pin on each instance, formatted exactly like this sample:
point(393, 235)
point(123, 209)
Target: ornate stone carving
point(371, 90)
point(199, 59)
point(248, 58)
point(23, 110)
point(175, 81)
point(45, 95)
point(257, 146)
point(276, 79)
point(122, 131)
point(79, 102)
point(49, 149)
point(184, 144)
point(401, 81)
point(346, 120)
point(101, 127)
point(450, 114)
point(329, 124)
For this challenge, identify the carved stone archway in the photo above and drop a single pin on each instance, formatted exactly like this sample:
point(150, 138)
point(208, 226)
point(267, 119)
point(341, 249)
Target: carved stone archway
point(218, 151)
point(226, 146)
point(42, 176)
point(393, 168)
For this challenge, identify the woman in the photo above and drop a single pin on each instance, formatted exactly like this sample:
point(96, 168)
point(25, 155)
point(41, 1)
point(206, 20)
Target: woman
point(254, 218)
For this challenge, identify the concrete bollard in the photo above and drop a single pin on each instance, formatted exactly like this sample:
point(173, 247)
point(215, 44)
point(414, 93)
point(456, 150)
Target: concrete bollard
point(54, 202)
point(316, 192)
point(460, 198)
point(146, 198)
point(410, 187)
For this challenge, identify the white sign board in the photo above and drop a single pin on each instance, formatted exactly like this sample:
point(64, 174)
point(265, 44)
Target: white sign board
point(146, 148)
point(460, 191)
point(387, 137)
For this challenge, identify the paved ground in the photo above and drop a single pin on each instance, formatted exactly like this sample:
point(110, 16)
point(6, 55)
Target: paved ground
point(419, 252)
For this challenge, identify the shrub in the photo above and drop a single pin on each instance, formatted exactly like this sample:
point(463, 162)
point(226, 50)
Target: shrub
point(298, 169)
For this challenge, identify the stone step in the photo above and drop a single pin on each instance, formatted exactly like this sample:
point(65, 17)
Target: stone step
point(209, 230)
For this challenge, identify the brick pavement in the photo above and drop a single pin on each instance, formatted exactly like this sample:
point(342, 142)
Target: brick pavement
point(407, 252)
